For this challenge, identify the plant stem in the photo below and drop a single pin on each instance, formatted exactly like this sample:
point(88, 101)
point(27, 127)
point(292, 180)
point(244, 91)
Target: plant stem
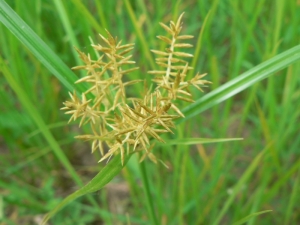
point(170, 58)
point(150, 205)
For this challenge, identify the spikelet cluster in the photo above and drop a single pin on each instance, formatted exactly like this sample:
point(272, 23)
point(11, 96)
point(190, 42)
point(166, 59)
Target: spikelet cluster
point(126, 125)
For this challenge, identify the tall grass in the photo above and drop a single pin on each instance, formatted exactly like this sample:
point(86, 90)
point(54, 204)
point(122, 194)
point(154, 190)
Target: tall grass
point(250, 50)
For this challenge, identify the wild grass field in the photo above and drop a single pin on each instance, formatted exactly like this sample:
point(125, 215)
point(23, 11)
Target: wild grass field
point(250, 51)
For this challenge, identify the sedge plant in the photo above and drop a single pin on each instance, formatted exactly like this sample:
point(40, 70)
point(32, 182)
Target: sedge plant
point(128, 124)
point(251, 76)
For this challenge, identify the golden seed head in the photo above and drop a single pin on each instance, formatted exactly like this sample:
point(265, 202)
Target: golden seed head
point(126, 125)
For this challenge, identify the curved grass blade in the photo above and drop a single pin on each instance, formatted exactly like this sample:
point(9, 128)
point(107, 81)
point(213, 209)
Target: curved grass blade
point(139, 33)
point(49, 126)
point(246, 175)
point(199, 44)
point(39, 48)
point(40, 123)
point(86, 14)
point(247, 218)
point(68, 28)
point(194, 141)
point(242, 82)
point(292, 201)
point(102, 178)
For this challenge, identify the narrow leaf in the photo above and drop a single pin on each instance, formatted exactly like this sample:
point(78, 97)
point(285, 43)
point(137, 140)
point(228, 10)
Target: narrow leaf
point(102, 178)
point(193, 141)
point(247, 218)
point(35, 44)
point(242, 82)
point(242, 181)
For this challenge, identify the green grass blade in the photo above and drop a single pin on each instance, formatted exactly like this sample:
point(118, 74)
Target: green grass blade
point(1, 208)
point(282, 180)
point(194, 141)
point(102, 178)
point(35, 44)
point(239, 185)
point(68, 28)
point(292, 201)
point(36, 117)
point(247, 218)
point(49, 126)
point(242, 82)
point(149, 198)
point(86, 14)
point(199, 45)
point(140, 35)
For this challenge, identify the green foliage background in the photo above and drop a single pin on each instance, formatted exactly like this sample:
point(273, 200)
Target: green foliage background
point(220, 183)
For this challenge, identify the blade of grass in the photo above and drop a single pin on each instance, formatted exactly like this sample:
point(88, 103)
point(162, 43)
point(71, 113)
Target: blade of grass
point(194, 141)
point(256, 199)
point(87, 15)
point(247, 218)
point(23, 193)
point(267, 135)
point(38, 48)
point(240, 183)
point(68, 28)
point(242, 82)
point(49, 126)
point(182, 182)
point(140, 35)
point(292, 201)
point(31, 109)
point(282, 180)
point(101, 14)
point(102, 178)
point(36, 117)
point(146, 186)
point(1, 208)
point(199, 45)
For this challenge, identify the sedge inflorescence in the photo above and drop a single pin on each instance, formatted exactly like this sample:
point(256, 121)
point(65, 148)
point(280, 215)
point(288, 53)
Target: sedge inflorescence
point(126, 125)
